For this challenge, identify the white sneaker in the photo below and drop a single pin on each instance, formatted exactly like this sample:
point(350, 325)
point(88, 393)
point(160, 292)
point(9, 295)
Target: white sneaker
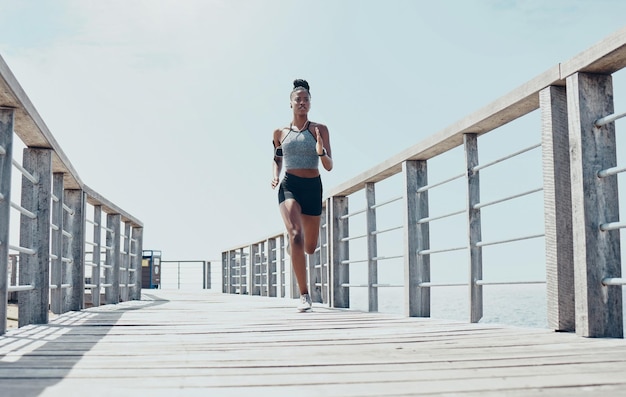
point(305, 303)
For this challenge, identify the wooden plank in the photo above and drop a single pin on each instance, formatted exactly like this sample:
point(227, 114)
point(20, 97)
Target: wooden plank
point(372, 247)
point(339, 251)
point(35, 235)
point(597, 253)
point(56, 246)
point(75, 247)
point(182, 343)
point(557, 209)
point(474, 227)
point(416, 238)
point(6, 142)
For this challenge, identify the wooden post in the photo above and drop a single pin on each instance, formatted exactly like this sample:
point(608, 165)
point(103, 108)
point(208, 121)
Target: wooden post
point(557, 209)
point(339, 252)
point(96, 258)
point(125, 274)
point(272, 259)
point(594, 202)
point(75, 247)
point(281, 270)
point(254, 280)
point(56, 246)
point(112, 294)
point(226, 272)
point(244, 274)
point(313, 265)
point(416, 239)
point(372, 247)
point(6, 143)
point(324, 254)
point(137, 235)
point(35, 234)
point(474, 228)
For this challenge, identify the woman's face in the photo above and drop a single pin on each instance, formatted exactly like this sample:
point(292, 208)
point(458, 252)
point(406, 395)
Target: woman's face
point(300, 102)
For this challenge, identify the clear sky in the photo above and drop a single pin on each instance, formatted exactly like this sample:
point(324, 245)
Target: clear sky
point(167, 107)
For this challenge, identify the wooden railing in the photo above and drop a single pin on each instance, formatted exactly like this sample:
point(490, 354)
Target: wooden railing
point(580, 207)
point(48, 263)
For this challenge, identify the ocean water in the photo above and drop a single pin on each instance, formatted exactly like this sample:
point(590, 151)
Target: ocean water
point(517, 305)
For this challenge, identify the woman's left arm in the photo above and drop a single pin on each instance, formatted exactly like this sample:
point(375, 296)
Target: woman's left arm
point(323, 146)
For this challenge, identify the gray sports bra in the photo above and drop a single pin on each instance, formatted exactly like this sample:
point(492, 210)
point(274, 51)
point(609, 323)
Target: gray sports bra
point(298, 150)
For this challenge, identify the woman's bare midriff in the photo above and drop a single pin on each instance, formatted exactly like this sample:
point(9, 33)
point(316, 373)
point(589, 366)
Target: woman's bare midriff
point(304, 172)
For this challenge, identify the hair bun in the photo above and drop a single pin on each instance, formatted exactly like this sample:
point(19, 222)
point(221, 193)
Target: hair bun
point(297, 83)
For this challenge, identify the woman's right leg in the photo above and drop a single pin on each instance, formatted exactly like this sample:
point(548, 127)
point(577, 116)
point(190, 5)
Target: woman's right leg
point(291, 213)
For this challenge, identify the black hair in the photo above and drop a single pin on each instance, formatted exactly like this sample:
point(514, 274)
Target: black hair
point(300, 84)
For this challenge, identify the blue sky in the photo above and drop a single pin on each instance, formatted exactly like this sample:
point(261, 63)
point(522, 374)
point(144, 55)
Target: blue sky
point(167, 107)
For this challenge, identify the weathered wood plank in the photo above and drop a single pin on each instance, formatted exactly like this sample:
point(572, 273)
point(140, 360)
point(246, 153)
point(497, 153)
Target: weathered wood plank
point(6, 143)
point(557, 209)
point(177, 343)
point(597, 253)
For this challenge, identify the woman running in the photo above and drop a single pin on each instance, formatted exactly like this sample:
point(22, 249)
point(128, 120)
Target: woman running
point(301, 146)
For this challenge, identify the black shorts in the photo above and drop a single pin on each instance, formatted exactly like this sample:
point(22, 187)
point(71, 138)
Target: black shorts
point(306, 191)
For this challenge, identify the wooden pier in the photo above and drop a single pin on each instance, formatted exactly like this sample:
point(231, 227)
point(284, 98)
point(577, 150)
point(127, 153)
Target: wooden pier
point(174, 343)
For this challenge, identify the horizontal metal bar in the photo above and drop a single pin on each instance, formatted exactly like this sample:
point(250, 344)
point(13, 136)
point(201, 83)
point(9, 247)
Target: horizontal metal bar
point(348, 261)
point(383, 258)
point(435, 218)
point(375, 232)
point(387, 285)
point(429, 285)
point(24, 211)
point(67, 234)
point(386, 202)
point(608, 119)
point(53, 256)
point(106, 266)
point(429, 251)
point(54, 198)
point(611, 171)
point(91, 243)
point(428, 187)
point(352, 238)
point(92, 222)
point(347, 285)
point(22, 249)
point(483, 244)
point(91, 264)
point(106, 285)
point(3, 151)
point(91, 286)
point(67, 260)
point(24, 172)
point(483, 282)
point(480, 167)
point(612, 226)
point(481, 205)
point(614, 281)
point(15, 288)
point(1, 197)
point(132, 270)
point(54, 227)
point(346, 216)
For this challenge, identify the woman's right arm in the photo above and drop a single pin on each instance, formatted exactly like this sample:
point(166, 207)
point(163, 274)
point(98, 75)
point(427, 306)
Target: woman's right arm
point(277, 164)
